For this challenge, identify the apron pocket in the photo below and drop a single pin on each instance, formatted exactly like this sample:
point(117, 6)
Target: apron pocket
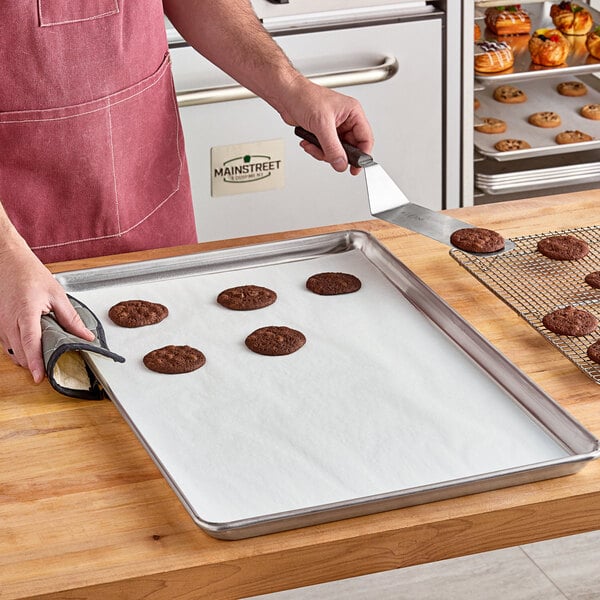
point(60, 12)
point(94, 170)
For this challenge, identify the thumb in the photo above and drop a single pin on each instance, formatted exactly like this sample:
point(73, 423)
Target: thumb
point(69, 319)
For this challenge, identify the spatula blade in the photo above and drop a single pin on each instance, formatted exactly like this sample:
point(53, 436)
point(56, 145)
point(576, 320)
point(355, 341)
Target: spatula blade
point(388, 202)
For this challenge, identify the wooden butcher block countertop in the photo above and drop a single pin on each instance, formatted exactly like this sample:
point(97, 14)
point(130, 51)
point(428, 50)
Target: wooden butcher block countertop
point(85, 513)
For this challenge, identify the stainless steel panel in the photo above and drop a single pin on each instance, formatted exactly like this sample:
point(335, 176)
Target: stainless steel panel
point(394, 400)
point(313, 193)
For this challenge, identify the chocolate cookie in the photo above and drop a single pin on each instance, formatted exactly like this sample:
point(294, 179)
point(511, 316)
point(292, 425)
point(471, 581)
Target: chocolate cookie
point(570, 321)
point(511, 144)
point(593, 352)
point(545, 119)
point(563, 247)
point(573, 136)
point(509, 94)
point(137, 313)
point(275, 341)
point(246, 297)
point(572, 88)
point(477, 239)
point(332, 284)
point(172, 360)
point(491, 125)
point(593, 279)
point(591, 111)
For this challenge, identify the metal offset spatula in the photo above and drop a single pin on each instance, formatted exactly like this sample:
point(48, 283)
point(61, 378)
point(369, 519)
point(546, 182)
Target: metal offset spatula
point(388, 202)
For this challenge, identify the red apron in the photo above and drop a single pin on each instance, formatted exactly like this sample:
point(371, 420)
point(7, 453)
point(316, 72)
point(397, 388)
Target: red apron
point(92, 156)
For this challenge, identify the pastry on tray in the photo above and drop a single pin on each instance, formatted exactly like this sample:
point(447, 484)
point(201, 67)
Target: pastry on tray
point(493, 57)
point(476, 32)
point(571, 18)
point(548, 48)
point(592, 43)
point(508, 20)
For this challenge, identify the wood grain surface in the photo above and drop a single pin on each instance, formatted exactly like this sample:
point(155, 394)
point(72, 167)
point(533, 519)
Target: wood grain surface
point(86, 514)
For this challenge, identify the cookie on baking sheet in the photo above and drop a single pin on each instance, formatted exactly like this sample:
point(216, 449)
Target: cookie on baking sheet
point(593, 352)
point(172, 360)
point(333, 284)
point(563, 247)
point(509, 94)
point(593, 279)
point(570, 321)
point(591, 111)
point(137, 313)
point(477, 239)
point(510, 144)
point(491, 125)
point(275, 340)
point(246, 297)
point(572, 88)
point(545, 119)
point(573, 136)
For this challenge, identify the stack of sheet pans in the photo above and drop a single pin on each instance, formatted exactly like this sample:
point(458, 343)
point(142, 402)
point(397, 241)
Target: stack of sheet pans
point(535, 179)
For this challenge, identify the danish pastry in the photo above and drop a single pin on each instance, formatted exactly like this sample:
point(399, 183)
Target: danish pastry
point(548, 48)
point(476, 32)
point(508, 20)
point(571, 19)
point(592, 43)
point(494, 57)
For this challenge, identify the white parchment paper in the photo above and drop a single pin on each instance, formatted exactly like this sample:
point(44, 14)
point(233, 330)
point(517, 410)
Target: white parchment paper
point(377, 401)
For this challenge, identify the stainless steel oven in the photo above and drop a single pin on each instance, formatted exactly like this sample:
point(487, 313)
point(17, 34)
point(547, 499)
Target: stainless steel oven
point(388, 54)
point(490, 175)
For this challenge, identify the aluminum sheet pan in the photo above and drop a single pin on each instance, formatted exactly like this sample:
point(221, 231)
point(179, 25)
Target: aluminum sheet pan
point(537, 181)
point(541, 96)
point(533, 285)
point(394, 400)
point(578, 62)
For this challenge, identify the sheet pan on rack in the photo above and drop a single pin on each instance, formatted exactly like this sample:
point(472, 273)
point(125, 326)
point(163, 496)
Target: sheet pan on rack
point(541, 96)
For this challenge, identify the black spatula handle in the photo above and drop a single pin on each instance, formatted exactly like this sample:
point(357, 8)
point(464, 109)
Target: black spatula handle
point(356, 157)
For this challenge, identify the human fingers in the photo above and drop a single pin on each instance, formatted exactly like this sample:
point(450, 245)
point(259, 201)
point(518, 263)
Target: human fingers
point(331, 149)
point(356, 131)
point(28, 347)
point(68, 318)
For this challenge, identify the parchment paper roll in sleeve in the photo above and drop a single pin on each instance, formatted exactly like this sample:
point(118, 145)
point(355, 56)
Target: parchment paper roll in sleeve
point(66, 368)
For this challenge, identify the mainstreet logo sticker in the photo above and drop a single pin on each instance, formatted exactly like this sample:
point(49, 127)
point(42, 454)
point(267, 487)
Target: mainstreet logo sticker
point(243, 168)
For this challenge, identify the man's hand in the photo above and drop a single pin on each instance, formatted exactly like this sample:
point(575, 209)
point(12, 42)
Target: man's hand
point(27, 291)
point(330, 116)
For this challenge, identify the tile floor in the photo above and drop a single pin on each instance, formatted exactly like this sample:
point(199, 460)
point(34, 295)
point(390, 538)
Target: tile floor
point(563, 569)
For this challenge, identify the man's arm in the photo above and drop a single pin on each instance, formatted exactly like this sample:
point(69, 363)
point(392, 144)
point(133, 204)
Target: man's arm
point(230, 35)
point(28, 290)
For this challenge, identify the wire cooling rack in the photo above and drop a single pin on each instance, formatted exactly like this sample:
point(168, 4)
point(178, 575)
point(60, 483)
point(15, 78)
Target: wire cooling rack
point(534, 285)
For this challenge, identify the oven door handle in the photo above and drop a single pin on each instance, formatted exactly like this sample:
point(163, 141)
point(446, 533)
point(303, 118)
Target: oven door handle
point(359, 76)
